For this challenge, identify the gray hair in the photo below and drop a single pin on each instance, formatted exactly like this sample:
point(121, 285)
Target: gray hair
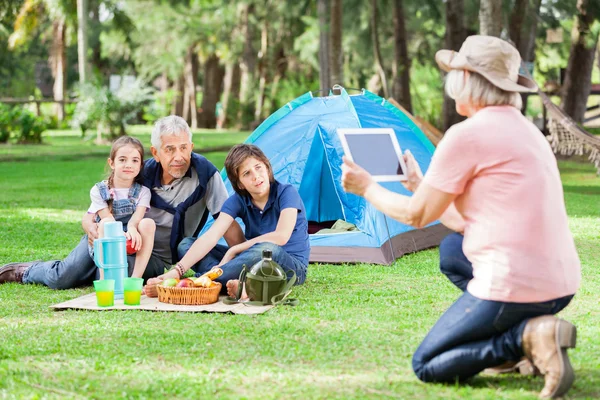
point(476, 90)
point(171, 125)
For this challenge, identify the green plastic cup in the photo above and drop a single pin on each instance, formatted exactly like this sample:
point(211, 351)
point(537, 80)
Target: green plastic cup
point(105, 292)
point(132, 291)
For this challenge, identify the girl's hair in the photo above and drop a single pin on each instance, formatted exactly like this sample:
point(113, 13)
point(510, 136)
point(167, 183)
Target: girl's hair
point(117, 144)
point(475, 89)
point(170, 125)
point(237, 155)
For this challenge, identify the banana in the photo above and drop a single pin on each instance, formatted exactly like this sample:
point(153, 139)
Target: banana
point(213, 273)
point(203, 281)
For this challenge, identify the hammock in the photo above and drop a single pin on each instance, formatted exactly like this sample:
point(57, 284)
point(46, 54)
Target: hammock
point(568, 138)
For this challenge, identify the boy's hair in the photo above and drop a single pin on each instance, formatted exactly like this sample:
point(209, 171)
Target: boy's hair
point(477, 90)
point(122, 142)
point(236, 156)
point(170, 125)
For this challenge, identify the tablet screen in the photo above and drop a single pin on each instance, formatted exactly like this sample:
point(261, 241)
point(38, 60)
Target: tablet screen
point(376, 150)
point(375, 153)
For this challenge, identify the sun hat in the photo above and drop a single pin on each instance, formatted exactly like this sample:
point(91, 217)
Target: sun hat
point(495, 59)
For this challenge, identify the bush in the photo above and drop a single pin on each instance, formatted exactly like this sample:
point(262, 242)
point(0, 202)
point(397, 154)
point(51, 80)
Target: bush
point(25, 125)
point(30, 127)
point(107, 111)
point(7, 117)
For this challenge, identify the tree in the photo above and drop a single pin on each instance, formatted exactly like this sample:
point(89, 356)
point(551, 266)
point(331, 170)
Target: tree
point(490, 17)
point(401, 65)
point(522, 30)
point(324, 46)
point(377, 49)
point(577, 84)
point(82, 42)
point(31, 17)
point(336, 60)
point(456, 34)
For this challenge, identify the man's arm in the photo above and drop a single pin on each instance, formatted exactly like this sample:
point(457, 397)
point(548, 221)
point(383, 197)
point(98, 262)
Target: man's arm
point(90, 227)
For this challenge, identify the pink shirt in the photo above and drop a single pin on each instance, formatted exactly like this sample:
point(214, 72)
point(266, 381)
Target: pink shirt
point(510, 195)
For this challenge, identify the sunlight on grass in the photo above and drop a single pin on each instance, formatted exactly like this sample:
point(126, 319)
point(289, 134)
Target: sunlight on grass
point(352, 335)
point(45, 214)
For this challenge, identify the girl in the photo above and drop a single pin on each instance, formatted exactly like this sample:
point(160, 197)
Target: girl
point(123, 198)
point(274, 217)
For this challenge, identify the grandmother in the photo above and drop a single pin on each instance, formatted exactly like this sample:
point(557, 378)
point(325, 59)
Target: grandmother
point(494, 180)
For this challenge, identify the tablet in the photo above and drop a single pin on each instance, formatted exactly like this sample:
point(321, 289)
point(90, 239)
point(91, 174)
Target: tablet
point(376, 150)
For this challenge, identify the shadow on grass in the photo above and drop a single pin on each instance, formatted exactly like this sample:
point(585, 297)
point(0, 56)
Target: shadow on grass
point(582, 189)
point(584, 387)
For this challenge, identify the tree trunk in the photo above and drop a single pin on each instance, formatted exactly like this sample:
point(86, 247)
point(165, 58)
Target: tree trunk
point(231, 90)
point(456, 34)
point(336, 62)
point(523, 29)
point(281, 66)
point(262, 71)
point(490, 17)
point(577, 86)
point(58, 61)
point(247, 64)
point(324, 46)
point(213, 81)
point(517, 18)
point(377, 49)
point(191, 81)
point(401, 66)
point(82, 42)
point(178, 100)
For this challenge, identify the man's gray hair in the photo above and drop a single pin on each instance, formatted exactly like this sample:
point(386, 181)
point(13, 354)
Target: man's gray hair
point(171, 125)
point(476, 90)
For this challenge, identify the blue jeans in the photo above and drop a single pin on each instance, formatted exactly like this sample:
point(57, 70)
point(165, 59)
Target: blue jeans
point(473, 334)
point(78, 269)
point(233, 268)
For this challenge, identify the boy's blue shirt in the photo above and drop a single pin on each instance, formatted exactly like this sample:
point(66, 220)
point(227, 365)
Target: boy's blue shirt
point(259, 222)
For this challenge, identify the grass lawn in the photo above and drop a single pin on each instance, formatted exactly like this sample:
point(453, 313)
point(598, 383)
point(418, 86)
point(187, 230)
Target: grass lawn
point(352, 336)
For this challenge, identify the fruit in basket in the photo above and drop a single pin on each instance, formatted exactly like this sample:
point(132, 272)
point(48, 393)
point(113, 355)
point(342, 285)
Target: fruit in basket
point(203, 281)
point(214, 273)
point(186, 282)
point(170, 282)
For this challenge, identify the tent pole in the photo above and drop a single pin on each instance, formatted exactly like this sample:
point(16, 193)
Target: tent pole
point(389, 238)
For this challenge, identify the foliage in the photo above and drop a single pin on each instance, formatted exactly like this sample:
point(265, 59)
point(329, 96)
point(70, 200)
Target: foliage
point(99, 107)
point(29, 127)
point(351, 337)
point(7, 119)
point(21, 123)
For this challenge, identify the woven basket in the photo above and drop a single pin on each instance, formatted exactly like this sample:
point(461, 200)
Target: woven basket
point(189, 296)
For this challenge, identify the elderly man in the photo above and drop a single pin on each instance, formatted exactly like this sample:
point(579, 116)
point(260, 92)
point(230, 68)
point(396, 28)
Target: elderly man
point(185, 187)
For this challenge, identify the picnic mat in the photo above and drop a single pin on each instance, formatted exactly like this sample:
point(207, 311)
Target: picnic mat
point(88, 302)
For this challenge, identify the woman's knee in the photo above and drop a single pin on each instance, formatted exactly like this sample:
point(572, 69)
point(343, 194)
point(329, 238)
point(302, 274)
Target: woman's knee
point(418, 367)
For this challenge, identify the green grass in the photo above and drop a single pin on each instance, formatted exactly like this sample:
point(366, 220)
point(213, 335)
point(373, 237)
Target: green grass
point(352, 336)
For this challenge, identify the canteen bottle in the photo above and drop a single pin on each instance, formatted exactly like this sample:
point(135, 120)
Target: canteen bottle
point(110, 254)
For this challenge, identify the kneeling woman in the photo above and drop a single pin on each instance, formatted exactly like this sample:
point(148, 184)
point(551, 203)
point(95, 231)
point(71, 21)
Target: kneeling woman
point(274, 217)
point(494, 177)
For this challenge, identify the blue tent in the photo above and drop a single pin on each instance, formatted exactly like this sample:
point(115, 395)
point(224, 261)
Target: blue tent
point(301, 142)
